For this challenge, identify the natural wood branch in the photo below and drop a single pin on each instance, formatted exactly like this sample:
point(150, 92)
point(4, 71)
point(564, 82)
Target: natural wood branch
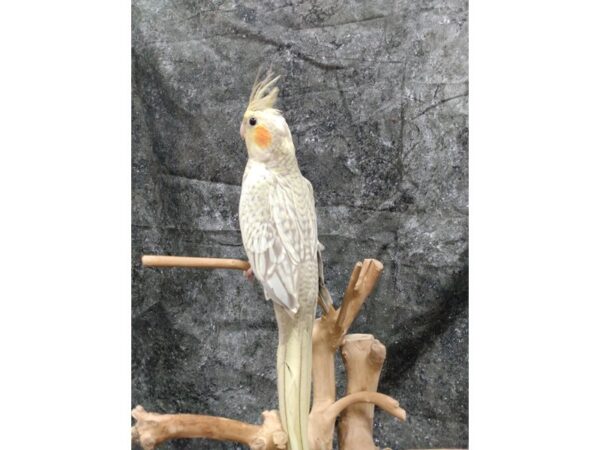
point(193, 262)
point(151, 429)
point(363, 357)
point(363, 280)
point(322, 422)
point(385, 402)
point(328, 333)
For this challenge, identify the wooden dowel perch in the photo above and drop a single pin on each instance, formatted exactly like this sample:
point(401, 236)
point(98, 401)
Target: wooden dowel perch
point(363, 357)
point(194, 262)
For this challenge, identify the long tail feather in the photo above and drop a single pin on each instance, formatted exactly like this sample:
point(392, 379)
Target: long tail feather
point(294, 359)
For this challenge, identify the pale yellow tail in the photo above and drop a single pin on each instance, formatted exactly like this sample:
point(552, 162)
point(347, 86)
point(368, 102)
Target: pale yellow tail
point(294, 361)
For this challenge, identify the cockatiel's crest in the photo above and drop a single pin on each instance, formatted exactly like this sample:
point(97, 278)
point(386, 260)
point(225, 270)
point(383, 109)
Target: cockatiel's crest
point(263, 127)
point(264, 93)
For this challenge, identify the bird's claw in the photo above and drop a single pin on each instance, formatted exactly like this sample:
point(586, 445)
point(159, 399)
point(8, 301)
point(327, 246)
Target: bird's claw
point(249, 274)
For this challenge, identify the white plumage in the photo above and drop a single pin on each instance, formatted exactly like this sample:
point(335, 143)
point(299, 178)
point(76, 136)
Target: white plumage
point(279, 231)
point(277, 218)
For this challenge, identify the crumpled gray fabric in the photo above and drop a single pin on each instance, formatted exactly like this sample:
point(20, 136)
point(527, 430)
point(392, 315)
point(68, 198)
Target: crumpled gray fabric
point(376, 95)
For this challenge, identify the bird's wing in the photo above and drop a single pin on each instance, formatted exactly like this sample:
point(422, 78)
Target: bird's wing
point(277, 246)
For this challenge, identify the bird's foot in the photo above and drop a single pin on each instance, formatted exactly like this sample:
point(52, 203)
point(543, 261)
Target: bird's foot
point(249, 275)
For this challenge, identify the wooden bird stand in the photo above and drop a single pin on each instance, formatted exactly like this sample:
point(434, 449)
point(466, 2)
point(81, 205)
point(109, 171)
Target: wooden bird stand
point(363, 357)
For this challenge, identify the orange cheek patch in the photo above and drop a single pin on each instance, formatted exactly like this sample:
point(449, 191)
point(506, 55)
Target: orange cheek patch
point(262, 137)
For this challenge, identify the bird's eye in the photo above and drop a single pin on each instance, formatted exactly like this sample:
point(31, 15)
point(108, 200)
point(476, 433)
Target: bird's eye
point(252, 121)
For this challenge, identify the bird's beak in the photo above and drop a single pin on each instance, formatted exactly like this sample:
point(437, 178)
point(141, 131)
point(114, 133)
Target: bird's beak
point(242, 131)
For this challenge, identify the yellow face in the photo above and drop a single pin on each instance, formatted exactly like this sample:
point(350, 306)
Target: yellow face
point(255, 132)
point(266, 134)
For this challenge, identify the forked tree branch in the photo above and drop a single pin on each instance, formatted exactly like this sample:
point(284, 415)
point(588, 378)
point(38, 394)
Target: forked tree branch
point(328, 334)
point(363, 280)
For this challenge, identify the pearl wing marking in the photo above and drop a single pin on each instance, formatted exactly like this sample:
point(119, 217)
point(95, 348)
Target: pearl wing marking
point(278, 225)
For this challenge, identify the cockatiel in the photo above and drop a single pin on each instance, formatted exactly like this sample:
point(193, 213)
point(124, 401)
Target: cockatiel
point(279, 231)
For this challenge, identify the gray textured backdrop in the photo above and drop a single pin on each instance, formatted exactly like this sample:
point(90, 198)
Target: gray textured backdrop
point(375, 94)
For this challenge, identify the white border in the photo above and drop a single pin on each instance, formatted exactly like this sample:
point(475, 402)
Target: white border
point(534, 225)
point(65, 262)
point(65, 224)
